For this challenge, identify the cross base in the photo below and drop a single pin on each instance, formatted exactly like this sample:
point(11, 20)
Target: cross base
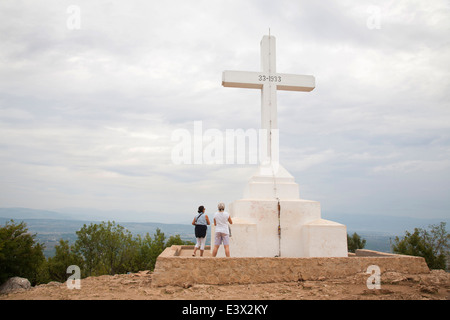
point(254, 232)
point(265, 225)
point(271, 181)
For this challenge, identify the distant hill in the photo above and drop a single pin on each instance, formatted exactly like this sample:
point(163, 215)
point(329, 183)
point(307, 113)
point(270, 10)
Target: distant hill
point(388, 225)
point(50, 231)
point(90, 215)
point(379, 230)
point(50, 226)
point(25, 213)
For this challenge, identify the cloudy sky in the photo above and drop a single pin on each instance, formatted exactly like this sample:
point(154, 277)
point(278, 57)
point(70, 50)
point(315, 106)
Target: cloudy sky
point(92, 91)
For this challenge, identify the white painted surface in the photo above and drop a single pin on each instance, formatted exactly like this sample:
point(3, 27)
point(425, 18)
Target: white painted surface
point(323, 238)
point(271, 220)
point(271, 182)
point(303, 232)
point(268, 81)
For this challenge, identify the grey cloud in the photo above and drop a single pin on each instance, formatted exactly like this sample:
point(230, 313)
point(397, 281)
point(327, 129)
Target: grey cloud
point(75, 106)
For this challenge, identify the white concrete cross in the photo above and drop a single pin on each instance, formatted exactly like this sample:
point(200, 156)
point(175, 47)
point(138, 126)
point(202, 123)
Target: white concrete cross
point(269, 81)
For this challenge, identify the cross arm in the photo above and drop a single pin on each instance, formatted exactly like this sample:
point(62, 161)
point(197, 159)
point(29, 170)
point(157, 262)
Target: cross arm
point(256, 80)
point(294, 82)
point(241, 79)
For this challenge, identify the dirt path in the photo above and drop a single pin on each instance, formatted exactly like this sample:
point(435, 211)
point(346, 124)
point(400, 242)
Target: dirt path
point(137, 286)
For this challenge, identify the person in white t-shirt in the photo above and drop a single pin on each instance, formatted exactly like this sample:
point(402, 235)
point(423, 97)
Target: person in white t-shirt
point(222, 235)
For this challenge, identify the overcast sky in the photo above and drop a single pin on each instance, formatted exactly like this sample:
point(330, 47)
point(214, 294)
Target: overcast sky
point(88, 106)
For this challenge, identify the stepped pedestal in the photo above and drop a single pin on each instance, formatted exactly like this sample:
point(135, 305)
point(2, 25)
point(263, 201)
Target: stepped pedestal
point(271, 220)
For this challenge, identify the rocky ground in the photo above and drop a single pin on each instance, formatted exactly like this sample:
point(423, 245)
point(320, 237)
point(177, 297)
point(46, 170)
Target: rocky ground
point(138, 286)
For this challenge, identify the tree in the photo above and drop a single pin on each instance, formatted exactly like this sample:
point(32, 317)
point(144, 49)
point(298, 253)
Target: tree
point(87, 246)
point(117, 246)
point(20, 254)
point(433, 245)
point(64, 257)
point(355, 242)
point(176, 241)
point(106, 248)
point(150, 249)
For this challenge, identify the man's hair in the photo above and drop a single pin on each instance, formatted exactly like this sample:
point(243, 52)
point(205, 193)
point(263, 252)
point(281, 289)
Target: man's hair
point(221, 206)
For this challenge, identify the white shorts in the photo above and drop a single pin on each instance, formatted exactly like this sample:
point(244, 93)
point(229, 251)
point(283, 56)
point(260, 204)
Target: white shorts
point(201, 243)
